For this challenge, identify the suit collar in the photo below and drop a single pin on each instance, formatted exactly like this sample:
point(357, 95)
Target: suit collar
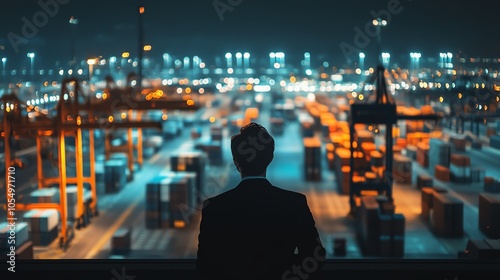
point(254, 182)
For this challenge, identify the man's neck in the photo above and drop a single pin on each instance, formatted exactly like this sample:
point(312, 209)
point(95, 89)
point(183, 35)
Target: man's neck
point(260, 175)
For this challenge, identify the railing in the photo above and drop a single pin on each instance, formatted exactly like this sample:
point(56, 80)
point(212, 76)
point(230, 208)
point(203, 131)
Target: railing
point(186, 269)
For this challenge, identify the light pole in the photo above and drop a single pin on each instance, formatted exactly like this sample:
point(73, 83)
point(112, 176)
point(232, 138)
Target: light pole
point(272, 60)
point(238, 59)
point(4, 60)
point(73, 22)
point(112, 61)
point(166, 61)
point(246, 60)
point(186, 64)
point(378, 23)
point(141, 42)
point(362, 61)
point(386, 58)
point(415, 62)
point(280, 58)
point(449, 63)
point(196, 62)
point(307, 59)
point(442, 59)
point(91, 62)
point(229, 60)
point(32, 58)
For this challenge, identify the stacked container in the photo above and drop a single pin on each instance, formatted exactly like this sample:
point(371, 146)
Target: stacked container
point(22, 235)
point(460, 168)
point(312, 159)
point(439, 153)
point(115, 175)
point(42, 225)
point(191, 161)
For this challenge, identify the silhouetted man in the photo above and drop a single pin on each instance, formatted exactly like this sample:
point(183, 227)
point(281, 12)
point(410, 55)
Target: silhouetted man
point(256, 230)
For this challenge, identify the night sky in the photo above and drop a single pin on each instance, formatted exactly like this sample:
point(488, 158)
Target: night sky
point(193, 27)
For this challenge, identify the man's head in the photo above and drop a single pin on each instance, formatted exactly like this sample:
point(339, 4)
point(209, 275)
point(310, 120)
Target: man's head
point(252, 149)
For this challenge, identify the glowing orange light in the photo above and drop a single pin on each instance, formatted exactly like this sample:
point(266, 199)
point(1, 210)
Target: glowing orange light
point(190, 102)
point(141, 10)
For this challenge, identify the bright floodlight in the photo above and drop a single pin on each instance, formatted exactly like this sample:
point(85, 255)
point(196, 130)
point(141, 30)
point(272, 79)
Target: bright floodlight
point(228, 55)
point(4, 59)
point(31, 55)
point(450, 55)
point(73, 20)
point(307, 55)
point(91, 61)
point(280, 54)
point(238, 55)
point(246, 55)
point(361, 55)
point(272, 55)
point(380, 22)
point(112, 59)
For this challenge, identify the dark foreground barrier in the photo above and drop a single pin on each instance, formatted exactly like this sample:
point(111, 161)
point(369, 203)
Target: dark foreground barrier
point(118, 269)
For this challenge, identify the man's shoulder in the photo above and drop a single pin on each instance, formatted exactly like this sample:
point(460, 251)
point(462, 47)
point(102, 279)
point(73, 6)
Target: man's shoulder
point(220, 198)
point(288, 193)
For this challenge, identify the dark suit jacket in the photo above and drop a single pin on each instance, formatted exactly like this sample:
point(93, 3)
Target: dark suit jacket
point(252, 232)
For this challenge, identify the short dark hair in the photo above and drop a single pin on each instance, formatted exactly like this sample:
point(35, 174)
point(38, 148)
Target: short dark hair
point(252, 149)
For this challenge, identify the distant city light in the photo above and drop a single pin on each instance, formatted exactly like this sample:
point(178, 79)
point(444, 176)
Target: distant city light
point(125, 54)
point(147, 48)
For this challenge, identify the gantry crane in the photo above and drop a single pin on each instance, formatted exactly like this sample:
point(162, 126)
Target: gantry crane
point(72, 116)
point(381, 111)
